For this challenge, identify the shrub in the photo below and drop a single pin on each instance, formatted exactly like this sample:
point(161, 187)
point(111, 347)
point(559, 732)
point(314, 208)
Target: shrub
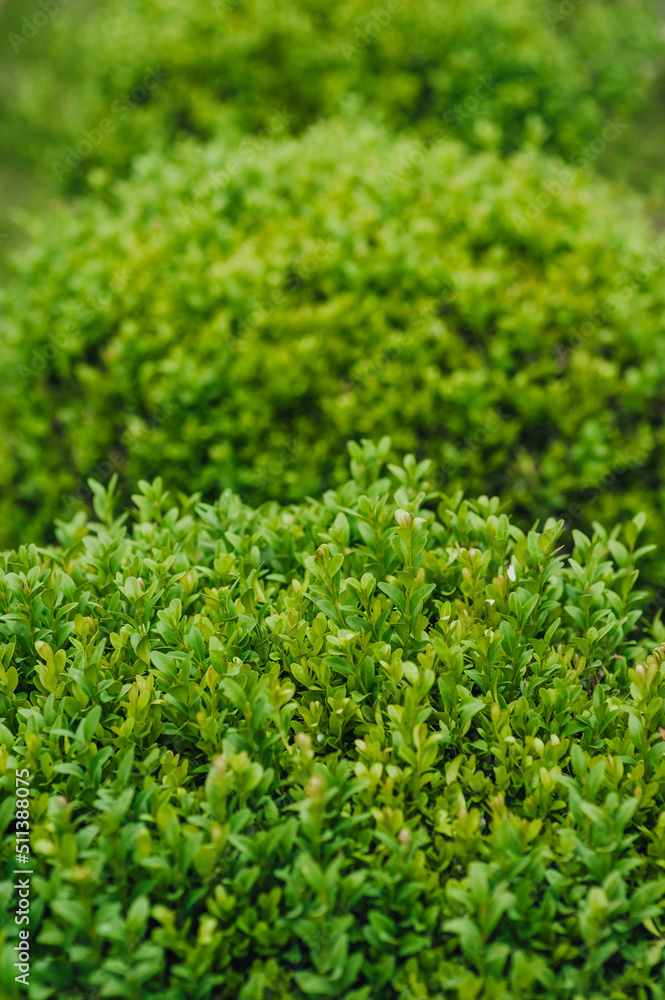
point(88, 88)
point(232, 319)
point(383, 744)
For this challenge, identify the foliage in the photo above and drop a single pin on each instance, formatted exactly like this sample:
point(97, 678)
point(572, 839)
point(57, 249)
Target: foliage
point(383, 744)
point(77, 96)
point(232, 320)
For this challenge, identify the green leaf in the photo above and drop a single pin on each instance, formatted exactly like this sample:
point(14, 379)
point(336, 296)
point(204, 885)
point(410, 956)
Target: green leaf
point(395, 595)
point(233, 692)
point(313, 985)
point(71, 910)
point(508, 637)
point(90, 723)
point(468, 708)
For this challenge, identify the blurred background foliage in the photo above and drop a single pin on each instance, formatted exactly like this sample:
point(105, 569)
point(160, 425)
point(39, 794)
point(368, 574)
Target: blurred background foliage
point(361, 293)
point(549, 71)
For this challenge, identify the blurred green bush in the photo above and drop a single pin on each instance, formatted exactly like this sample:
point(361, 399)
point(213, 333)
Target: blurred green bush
point(381, 745)
point(92, 86)
point(231, 317)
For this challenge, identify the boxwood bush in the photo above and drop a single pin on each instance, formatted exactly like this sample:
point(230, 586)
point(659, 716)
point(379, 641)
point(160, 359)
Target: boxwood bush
point(231, 318)
point(84, 93)
point(381, 744)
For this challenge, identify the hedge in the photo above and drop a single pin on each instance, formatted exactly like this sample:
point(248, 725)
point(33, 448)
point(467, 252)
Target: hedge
point(88, 87)
point(381, 744)
point(230, 319)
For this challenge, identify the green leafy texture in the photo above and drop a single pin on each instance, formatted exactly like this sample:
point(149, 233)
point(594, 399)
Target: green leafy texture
point(79, 95)
point(443, 787)
point(233, 328)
